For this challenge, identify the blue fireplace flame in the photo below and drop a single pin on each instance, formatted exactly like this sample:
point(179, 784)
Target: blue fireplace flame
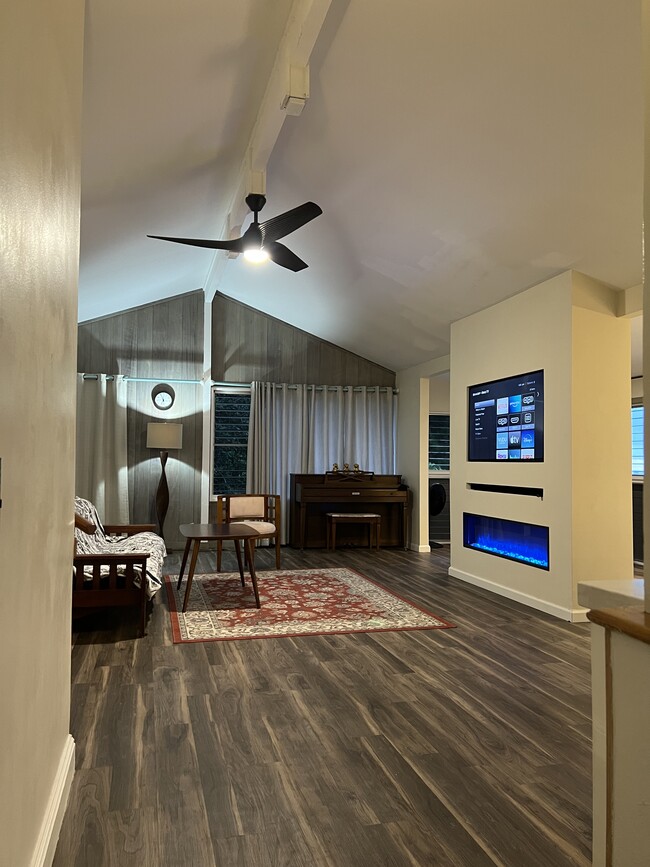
point(514, 540)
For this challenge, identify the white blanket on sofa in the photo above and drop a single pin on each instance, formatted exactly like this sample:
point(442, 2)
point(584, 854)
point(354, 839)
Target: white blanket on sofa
point(99, 543)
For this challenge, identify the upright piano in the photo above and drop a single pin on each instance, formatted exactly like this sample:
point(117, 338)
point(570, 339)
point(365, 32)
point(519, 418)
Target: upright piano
point(314, 495)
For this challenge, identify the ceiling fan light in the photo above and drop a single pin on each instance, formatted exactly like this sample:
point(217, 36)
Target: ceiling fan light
point(256, 254)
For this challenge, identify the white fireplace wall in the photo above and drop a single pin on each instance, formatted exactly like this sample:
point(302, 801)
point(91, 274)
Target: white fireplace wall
point(566, 326)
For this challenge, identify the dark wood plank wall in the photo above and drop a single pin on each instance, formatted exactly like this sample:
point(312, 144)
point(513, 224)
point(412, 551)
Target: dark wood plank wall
point(161, 341)
point(164, 341)
point(158, 340)
point(248, 345)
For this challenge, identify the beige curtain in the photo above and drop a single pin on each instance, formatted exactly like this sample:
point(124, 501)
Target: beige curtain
point(306, 429)
point(101, 462)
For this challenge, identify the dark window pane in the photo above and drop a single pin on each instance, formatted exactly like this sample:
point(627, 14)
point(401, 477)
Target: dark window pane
point(438, 442)
point(230, 470)
point(231, 416)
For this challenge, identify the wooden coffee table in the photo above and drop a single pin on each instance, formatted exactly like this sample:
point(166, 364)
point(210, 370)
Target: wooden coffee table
point(197, 533)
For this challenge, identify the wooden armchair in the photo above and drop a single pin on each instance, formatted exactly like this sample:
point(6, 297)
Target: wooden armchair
point(262, 512)
point(114, 565)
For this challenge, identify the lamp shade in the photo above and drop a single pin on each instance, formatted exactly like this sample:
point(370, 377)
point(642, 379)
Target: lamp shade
point(164, 435)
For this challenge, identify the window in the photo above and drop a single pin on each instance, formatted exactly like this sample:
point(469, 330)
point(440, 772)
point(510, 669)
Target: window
point(637, 441)
point(438, 442)
point(230, 451)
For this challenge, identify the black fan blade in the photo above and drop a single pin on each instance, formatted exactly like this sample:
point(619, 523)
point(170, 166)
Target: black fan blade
point(284, 224)
point(234, 246)
point(282, 255)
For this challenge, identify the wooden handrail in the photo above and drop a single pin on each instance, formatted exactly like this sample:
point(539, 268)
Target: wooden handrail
point(84, 525)
point(630, 621)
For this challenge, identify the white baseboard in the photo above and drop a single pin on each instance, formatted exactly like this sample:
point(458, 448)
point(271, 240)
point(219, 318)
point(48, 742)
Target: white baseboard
point(55, 809)
point(573, 615)
point(420, 549)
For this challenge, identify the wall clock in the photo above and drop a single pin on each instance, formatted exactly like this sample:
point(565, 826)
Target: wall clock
point(163, 396)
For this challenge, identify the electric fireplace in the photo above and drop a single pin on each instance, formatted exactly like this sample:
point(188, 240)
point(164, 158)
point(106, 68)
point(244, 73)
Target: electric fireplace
point(514, 540)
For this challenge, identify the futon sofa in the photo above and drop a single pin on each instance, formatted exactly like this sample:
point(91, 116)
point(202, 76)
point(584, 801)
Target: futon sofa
point(110, 562)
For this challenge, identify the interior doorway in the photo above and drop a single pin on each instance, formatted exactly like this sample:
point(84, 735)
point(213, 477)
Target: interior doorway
point(438, 461)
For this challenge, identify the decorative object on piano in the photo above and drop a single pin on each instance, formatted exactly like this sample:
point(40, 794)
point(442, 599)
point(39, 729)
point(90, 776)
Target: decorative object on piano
point(352, 475)
point(346, 469)
point(294, 602)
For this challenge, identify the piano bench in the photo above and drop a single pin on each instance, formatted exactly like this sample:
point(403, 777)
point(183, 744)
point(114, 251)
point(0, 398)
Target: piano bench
point(334, 518)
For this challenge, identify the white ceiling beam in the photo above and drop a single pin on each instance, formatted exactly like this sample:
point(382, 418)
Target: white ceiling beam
point(286, 94)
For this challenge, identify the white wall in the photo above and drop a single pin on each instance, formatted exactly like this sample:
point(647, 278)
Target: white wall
point(630, 663)
point(621, 749)
point(543, 328)
point(621, 664)
point(40, 69)
point(439, 393)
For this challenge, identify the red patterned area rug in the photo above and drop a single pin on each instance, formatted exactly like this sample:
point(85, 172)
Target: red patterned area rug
point(295, 602)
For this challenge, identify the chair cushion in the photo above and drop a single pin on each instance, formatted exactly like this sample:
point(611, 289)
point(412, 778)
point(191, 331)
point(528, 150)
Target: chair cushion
point(262, 527)
point(246, 507)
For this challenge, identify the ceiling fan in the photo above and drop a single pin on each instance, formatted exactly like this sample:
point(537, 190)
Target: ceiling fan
point(260, 240)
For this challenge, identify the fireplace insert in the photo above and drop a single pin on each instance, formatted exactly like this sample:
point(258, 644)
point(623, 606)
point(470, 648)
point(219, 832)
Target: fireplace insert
point(514, 540)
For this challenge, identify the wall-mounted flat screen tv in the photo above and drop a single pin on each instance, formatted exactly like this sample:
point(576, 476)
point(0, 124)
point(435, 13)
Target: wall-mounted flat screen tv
point(506, 419)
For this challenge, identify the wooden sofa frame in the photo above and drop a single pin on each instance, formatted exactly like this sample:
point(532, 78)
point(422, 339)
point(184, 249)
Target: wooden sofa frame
point(93, 589)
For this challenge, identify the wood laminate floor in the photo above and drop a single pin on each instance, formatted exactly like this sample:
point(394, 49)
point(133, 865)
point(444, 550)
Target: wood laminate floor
point(467, 746)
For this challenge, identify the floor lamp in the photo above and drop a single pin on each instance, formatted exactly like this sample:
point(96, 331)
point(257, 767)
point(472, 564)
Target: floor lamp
point(163, 436)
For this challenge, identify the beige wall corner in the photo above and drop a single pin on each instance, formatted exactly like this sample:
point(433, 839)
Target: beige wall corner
point(601, 470)
point(593, 295)
point(630, 301)
point(40, 134)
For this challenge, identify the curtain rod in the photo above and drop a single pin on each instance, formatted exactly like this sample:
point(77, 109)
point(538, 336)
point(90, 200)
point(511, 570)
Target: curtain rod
point(111, 376)
point(344, 387)
point(310, 387)
point(380, 388)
